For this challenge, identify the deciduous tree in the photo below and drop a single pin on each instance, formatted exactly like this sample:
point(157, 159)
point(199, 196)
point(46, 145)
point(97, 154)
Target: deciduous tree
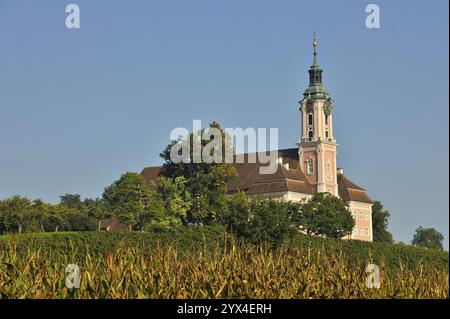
point(380, 222)
point(325, 214)
point(206, 182)
point(130, 199)
point(428, 237)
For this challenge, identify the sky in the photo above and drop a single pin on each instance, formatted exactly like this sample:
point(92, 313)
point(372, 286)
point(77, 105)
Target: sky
point(79, 107)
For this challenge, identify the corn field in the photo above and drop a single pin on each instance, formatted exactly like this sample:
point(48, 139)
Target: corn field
point(231, 271)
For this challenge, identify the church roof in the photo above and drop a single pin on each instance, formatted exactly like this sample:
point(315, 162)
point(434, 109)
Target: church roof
point(349, 191)
point(151, 175)
point(249, 180)
point(284, 179)
point(287, 177)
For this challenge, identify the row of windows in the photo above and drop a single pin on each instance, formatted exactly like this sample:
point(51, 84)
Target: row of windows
point(311, 133)
point(363, 231)
point(310, 167)
point(311, 119)
point(361, 216)
point(311, 123)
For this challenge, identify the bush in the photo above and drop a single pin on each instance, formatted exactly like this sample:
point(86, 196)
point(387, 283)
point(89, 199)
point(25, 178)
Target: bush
point(390, 254)
point(103, 242)
point(81, 222)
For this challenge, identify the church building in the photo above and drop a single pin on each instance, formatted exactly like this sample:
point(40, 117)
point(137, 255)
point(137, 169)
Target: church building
point(309, 168)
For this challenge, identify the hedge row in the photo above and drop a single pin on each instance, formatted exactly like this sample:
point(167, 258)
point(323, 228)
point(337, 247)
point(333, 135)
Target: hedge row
point(102, 242)
point(378, 253)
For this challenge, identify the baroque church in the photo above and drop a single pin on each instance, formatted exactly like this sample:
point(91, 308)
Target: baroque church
point(307, 169)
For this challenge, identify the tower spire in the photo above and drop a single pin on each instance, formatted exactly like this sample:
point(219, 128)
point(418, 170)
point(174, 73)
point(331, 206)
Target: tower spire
point(315, 49)
point(315, 88)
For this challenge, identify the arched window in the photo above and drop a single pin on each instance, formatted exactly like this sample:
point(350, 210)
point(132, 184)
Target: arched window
point(310, 134)
point(310, 119)
point(326, 119)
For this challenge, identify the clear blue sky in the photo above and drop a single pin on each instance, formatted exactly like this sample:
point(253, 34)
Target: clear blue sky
point(80, 107)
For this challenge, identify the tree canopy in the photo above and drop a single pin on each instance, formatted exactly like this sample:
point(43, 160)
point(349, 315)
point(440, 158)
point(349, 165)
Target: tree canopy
point(19, 214)
point(327, 215)
point(205, 181)
point(260, 219)
point(130, 199)
point(380, 223)
point(428, 238)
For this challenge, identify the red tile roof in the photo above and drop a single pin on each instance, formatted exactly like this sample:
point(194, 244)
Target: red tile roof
point(289, 178)
point(349, 191)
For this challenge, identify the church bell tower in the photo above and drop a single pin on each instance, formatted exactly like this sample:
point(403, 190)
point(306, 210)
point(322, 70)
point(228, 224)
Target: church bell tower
point(317, 146)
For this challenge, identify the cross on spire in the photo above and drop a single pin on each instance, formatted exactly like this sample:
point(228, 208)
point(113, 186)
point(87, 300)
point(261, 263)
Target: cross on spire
point(315, 49)
point(314, 42)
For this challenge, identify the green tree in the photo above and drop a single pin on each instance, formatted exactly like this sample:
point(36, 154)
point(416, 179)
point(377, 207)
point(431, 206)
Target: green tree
point(72, 201)
point(380, 223)
point(15, 212)
point(41, 213)
point(272, 221)
point(325, 214)
point(130, 199)
point(77, 215)
point(96, 208)
point(19, 214)
point(428, 238)
point(261, 220)
point(238, 216)
point(176, 198)
point(155, 215)
point(206, 182)
point(57, 218)
point(78, 221)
